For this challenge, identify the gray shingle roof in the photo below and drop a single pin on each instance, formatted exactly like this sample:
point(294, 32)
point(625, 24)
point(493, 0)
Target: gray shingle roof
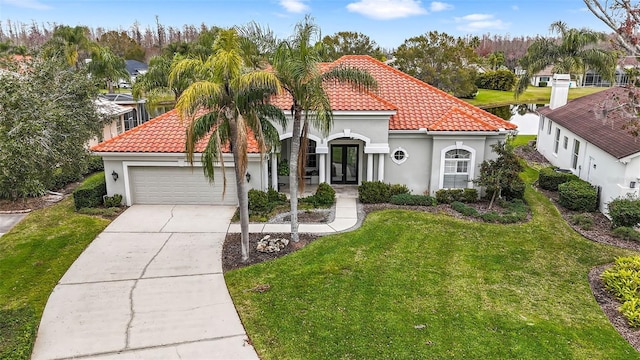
point(586, 118)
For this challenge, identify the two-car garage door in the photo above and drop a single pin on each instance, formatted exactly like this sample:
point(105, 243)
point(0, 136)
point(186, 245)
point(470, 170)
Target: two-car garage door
point(156, 185)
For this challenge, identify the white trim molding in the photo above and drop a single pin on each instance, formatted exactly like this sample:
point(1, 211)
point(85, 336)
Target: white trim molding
point(405, 156)
point(472, 161)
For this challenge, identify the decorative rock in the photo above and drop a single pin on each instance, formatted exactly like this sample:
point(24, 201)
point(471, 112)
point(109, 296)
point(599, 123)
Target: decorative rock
point(268, 245)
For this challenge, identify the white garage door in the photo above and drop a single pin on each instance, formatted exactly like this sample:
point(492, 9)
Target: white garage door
point(156, 185)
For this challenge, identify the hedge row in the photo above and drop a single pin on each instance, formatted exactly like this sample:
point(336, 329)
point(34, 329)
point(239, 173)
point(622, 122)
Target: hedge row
point(90, 193)
point(550, 178)
point(378, 192)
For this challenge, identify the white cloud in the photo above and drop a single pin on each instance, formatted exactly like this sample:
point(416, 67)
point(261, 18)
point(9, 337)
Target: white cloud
point(387, 9)
point(515, 8)
point(440, 6)
point(294, 6)
point(29, 4)
point(480, 22)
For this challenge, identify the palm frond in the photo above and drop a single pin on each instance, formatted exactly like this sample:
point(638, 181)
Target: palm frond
point(197, 95)
point(359, 79)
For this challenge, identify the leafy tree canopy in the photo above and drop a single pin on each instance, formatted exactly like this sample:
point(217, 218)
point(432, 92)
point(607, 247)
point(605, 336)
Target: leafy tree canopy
point(47, 116)
point(350, 43)
point(440, 60)
point(122, 45)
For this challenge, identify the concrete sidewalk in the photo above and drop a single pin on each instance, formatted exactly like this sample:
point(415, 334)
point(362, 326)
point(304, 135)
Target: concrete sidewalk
point(149, 287)
point(7, 221)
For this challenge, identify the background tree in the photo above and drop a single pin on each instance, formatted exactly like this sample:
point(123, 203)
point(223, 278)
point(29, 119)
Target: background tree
point(574, 53)
point(236, 105)
point(107, 66)
point(70, 43)
point(47, 116)
point(440, 60)
point(122, 45)
point(350, 43)
point(623, 18)
point(154, 84)
point(296, 65)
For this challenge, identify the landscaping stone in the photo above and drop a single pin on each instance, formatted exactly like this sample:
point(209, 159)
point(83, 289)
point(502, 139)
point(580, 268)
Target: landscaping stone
point(269, 245)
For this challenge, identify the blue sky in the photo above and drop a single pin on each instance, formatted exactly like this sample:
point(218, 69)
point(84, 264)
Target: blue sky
point(388, 22)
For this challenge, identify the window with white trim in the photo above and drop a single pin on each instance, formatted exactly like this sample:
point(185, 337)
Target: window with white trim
point(565, 142)
point(549, 123)
point(399, 155)
point(556, 141)
point(574, 156)
point(456, 169)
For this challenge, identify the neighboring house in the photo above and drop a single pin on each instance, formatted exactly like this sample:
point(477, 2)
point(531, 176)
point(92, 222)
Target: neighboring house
point(586, 137)
point(117, 116)
point(135, 68)
point(624, 65)
point(138, 111)
point(407, 132)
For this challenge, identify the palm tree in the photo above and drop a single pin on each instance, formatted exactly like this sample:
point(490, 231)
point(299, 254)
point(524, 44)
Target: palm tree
point(296, 64)
point(107, 66)
point(69, 42)
point(155, 81)
point(574, 53)
point(235, 105)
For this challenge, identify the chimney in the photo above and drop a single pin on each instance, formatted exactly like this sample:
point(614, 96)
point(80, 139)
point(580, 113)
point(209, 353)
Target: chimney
point(559, 90)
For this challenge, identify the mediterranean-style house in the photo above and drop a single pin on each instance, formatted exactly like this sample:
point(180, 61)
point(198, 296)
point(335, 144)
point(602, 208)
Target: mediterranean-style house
point(587, 137)
point(406, 132)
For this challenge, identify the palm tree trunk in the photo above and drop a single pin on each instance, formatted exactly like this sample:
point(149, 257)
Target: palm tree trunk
point(243, 195)
point(293, 174)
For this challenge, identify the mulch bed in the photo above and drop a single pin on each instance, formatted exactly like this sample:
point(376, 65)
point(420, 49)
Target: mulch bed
point(35, 203)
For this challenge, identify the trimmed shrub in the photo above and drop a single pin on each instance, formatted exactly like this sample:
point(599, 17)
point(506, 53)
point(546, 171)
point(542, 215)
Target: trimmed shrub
point(490, 217)
point(113, 201)
point(469, 195)
point(447, 196)
point(90, 192)
point(397, 189)
point(550, 178)
point(626, 233)
point(325, 195)
point(578, 195)
point(583, 221)
point(259, 202)
point(502, 80)
point(416, 200)
point(624, 212)
point(95, 164)
point(374, 192)
point(61, 178)
point(276, 197)
point(542, 84)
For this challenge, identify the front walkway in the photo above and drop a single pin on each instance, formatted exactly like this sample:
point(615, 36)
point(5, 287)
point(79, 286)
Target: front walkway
point(149, 287)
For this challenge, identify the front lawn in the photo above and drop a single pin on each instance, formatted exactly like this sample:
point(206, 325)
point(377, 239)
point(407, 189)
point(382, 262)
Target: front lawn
point(33, 257)
point(429, 286)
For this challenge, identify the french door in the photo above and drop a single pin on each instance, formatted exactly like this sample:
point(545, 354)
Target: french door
point(344, 164)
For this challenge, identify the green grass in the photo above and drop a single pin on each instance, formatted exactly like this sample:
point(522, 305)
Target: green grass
point(474, 290)
point(33, 257)
point(538, 95)
point(521, 140)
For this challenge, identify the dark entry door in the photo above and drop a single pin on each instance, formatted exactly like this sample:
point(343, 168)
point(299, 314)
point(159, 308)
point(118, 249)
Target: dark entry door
point(344, 164)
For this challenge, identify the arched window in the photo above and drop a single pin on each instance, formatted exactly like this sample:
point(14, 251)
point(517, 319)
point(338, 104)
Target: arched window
point(456, 169)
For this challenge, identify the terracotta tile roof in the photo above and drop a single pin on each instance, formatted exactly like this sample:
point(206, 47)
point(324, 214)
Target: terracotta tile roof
point(583, 117)
point(421, 105)
point(163, 134)
point(417, 105)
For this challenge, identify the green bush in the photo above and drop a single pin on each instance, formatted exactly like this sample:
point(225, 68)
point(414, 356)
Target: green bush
point(324, 196)
point(502, 80)
point(578, 195)
point(464, 209)
point(622, 280)
point(469, 195)
point(90, 192)
point(374, 192)
point(415, 200)
point(259, 202)
point(113, 201)
point(276, 197)
point(550, 178)
point(515, 190)
point(624, 212)
point(542, 84)
point(583, 221)
point(447, 196)
point(397, 189)
point(61, 179)
point(95, 164)
point(626, 233)
point(490, 217)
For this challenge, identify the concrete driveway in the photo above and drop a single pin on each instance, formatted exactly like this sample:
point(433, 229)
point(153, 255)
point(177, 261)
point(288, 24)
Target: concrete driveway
point(149, 287)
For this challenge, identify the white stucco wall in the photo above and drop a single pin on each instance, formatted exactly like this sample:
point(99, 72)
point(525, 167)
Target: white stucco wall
point(594, 165)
